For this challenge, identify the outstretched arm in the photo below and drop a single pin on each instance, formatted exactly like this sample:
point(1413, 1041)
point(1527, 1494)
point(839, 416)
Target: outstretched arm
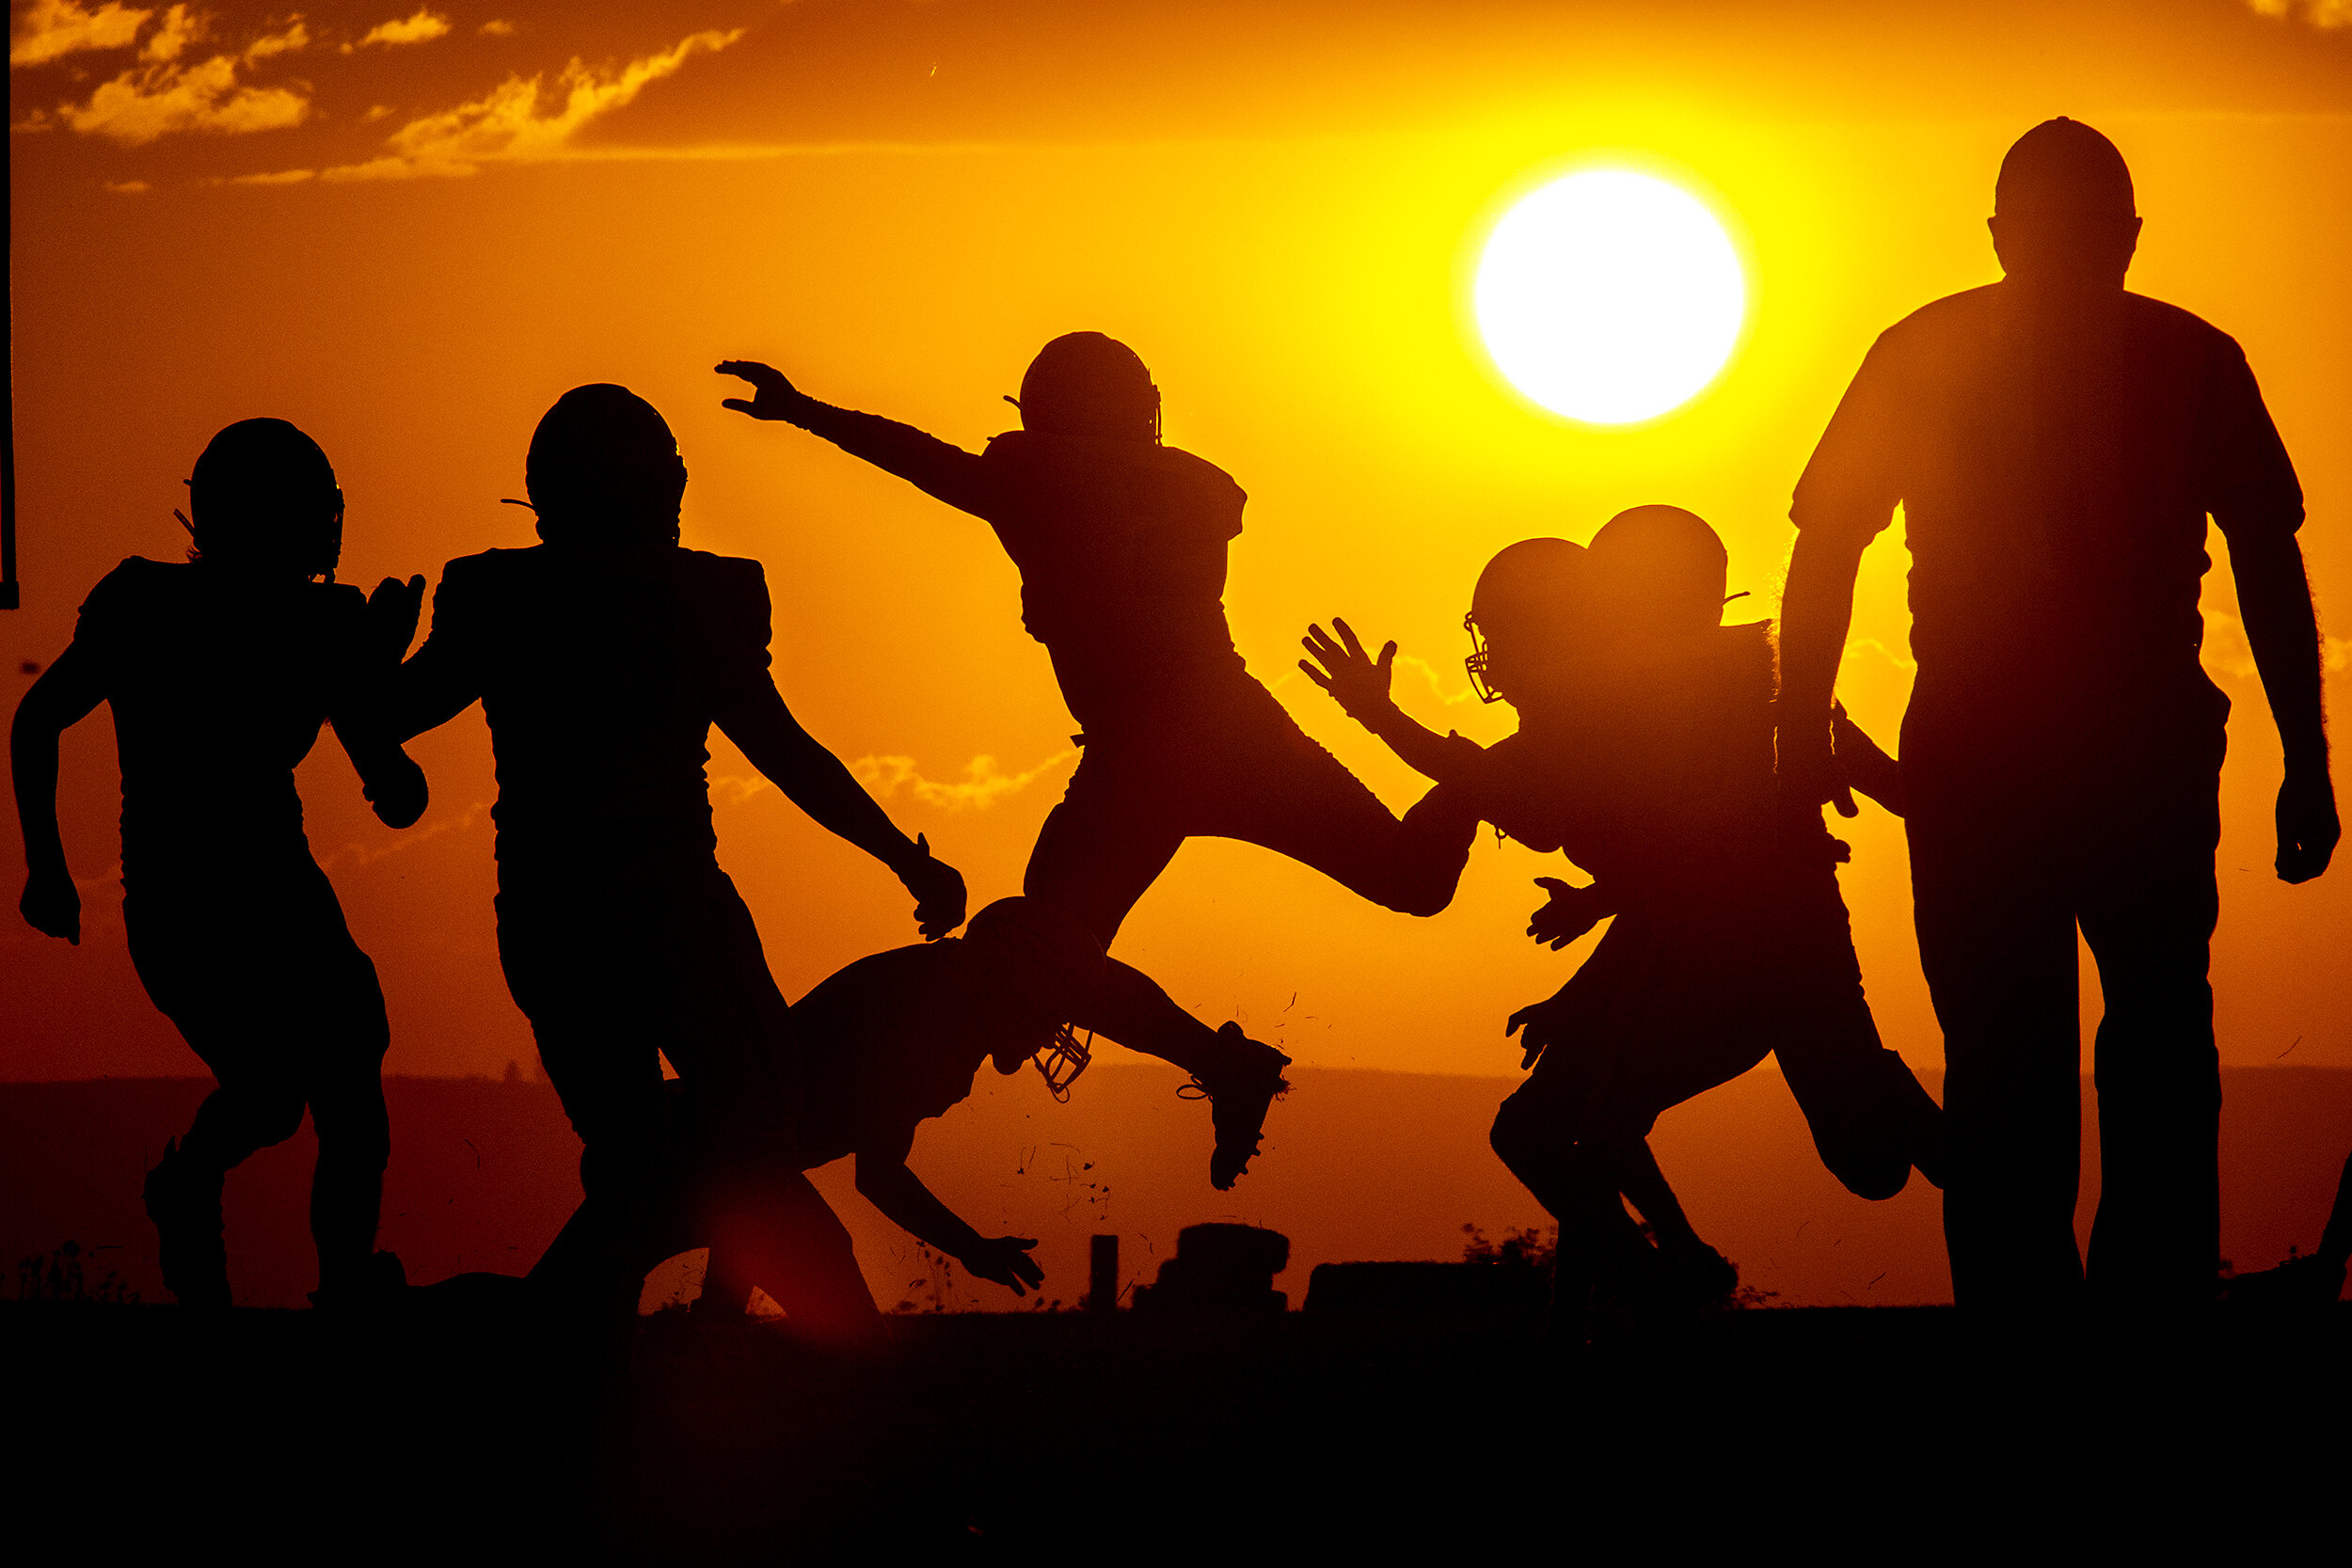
point(773, 740)
point(2275, 598)
point(64, 695)
point(1816, 611)
point(943, 471)
point(1360, 683)
point(887, 1183)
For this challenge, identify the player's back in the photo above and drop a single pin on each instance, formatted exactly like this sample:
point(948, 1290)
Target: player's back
point(2056, 457)
point(886, 1042)
point(601, 671)
point(1661, 782)
point(218, 684)
point(1122, 551)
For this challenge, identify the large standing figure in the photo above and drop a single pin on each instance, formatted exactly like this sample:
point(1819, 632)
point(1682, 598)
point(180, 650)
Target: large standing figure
point(2057, 444)
point(1120, 542)
point(220, 671)
point(602, 658)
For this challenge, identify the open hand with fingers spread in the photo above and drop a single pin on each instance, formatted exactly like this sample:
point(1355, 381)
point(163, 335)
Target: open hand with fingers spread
point(1356, 681)
point(1571, 912)
point(774, 397)
point(1005, 1261)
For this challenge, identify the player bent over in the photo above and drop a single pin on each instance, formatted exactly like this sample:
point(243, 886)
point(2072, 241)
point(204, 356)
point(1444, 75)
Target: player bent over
point(219, 671)
point(602, 656)
point(1120, 542)
point(889, 1042)
point(1645, 754)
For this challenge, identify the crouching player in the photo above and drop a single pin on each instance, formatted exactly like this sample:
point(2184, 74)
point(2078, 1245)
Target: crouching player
point(1645, 753)
point(220, 671)
point(886, 1043)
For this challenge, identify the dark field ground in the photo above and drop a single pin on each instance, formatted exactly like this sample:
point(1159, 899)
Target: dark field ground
point(447, 1434)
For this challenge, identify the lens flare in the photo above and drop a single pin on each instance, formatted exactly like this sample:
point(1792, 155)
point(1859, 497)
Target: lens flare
point(1609, 297)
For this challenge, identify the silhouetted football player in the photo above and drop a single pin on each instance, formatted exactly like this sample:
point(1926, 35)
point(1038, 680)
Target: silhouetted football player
point(602, 656)
point(887, 1043)
point(1645, 754)
point(220, 671)
point(1120, 542)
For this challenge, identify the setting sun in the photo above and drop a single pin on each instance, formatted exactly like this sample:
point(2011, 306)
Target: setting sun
point(1609, 296)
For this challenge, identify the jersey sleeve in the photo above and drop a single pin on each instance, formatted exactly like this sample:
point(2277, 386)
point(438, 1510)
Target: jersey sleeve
point(743, 620)
point(1210, 496)
point(2247, 480)
point(110, 615)
point(1850, 488)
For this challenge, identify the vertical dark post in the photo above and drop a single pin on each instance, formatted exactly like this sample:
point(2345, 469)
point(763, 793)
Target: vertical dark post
point(1102, 1282)
point(8, 402)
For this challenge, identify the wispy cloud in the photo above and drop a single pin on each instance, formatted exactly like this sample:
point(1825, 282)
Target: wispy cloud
point(2318, 13)
point(50, 29)
point(496, 29)
point(181, 26)
point(982, 785)
point(128, 187)
point(2228, 652)
point(510, 126)
point(160, 99)
point(420, 28)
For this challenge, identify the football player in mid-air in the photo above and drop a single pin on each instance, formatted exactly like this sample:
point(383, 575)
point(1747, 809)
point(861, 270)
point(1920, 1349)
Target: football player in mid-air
point(1120, 542)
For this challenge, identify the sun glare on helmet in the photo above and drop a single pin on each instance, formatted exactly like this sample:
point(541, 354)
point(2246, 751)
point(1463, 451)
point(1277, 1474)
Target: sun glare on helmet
point(1609, 296)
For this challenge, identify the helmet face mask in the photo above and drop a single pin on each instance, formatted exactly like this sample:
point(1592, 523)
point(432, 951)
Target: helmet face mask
point(1041, 965)
point(1527, 613)
point(1476, 661)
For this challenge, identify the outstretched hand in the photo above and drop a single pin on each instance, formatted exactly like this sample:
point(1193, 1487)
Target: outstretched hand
point(938, 889)
point(1005, 1261)
point(1570, 913)
point(52, 906)
point(1356, 680)
point(391, 619)
point(2308, 827)
point(774, 396)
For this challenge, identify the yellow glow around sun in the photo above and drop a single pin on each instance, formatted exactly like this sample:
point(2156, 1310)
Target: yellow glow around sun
point(1609, 296)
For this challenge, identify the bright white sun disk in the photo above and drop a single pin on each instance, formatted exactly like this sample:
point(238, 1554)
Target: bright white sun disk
point(1609, 296)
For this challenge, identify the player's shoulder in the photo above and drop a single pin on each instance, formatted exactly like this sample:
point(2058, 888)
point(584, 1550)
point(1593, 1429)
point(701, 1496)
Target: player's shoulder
point(723, 584)
point(1966, 313)
point(1191, 468)
point(2183, 329)
point(135, 581)
point(495, 567)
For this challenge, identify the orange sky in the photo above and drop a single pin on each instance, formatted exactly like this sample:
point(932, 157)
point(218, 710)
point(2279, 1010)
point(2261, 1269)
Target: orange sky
point(897, 202)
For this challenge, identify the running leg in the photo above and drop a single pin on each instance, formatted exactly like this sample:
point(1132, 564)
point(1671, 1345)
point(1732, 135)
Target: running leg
point(346, 1095)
